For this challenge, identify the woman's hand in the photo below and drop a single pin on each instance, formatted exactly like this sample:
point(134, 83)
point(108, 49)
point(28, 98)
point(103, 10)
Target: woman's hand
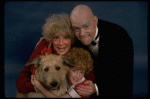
point(32, 79)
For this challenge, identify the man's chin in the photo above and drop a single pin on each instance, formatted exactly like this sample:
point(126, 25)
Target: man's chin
point(85, 43)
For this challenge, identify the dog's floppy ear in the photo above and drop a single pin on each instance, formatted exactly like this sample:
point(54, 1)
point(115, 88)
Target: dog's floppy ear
point(67, 61)
point(34, 61)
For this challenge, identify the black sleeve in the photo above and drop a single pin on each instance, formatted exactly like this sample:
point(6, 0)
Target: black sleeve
point(114, 68)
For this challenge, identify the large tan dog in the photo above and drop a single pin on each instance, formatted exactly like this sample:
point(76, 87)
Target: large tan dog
point(51, 71)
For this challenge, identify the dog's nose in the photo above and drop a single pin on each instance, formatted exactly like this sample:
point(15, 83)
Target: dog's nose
point(54, 83)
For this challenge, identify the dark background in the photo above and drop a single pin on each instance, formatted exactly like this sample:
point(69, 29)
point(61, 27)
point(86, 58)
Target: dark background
point(23, 21)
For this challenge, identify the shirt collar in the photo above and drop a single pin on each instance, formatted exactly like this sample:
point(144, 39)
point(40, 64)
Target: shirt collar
point(81, 80)
point(97, 40)
point(95, 33)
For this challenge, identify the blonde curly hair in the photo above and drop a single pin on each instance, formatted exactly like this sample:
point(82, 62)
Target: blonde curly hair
point(81, 57)
point(56, 23)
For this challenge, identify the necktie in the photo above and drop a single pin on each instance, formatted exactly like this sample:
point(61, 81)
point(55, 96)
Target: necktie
point(93, 43)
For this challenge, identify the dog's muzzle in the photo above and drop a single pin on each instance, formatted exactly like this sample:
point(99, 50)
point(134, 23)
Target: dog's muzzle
point(54, 85)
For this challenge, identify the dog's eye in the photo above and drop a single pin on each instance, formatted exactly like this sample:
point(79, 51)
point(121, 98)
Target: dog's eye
point(46, 69)
point(57, 68)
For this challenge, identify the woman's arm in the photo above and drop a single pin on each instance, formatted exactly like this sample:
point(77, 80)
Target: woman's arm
point(23, 82)
point(42, 38)
point(65, 96)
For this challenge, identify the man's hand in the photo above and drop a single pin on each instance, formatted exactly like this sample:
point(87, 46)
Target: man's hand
point(86, 90)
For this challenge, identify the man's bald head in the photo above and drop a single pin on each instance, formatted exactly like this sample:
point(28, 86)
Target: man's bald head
point(80, 10)
point(84, 23)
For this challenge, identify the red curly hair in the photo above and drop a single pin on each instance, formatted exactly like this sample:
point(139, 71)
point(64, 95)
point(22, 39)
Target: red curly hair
point(82, 58)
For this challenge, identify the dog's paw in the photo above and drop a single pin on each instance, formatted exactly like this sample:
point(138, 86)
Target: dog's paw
point(35, 95)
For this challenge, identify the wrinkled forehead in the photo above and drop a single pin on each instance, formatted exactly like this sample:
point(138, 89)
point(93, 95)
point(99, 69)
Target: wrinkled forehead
point(80, 21)
point(51, 60)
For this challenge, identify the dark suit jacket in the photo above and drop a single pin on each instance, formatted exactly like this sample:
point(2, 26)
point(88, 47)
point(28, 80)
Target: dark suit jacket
point(114, 66)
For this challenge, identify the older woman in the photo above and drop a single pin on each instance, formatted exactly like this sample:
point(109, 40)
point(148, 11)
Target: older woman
point(59, 36)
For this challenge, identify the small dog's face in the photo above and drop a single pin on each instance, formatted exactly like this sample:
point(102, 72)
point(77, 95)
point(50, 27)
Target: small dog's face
point(51, 70)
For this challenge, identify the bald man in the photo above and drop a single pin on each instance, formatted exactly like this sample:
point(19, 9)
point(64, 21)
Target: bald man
point(112, 51)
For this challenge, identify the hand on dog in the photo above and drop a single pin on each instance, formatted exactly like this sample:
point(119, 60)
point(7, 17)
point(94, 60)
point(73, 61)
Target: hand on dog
point(86, 90)
point(35, 83)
